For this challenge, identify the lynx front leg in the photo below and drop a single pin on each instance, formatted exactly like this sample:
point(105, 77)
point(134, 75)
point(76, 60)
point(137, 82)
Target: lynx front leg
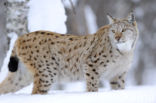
point(118, 82)
point(92, 80)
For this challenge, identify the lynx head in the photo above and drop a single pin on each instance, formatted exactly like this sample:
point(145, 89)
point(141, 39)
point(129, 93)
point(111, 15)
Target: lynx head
point(123, 32)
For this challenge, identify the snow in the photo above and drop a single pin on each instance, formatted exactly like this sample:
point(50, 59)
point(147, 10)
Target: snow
point(4, 68)
point(145, 94)
point(47, 15)
point(68, 4)
point(91, 20)
point(50, 15)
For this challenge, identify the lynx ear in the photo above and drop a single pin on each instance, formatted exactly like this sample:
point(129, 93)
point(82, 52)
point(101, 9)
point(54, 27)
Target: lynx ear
point(110, 18)
point(131, 17)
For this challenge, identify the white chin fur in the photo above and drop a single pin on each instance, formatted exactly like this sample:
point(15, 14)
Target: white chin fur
point(126, 46)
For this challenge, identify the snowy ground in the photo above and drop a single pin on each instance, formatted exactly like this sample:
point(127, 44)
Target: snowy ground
point(145, 94)
point(73, 93)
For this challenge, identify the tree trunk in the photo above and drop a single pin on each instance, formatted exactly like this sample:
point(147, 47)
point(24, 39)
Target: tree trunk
point(13, 19)
point(3, 36)
point(76, 23)
point(17, 16)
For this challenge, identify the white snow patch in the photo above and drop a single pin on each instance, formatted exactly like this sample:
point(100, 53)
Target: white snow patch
point(130, 95)
point(4, 68)
point(47, 15)
point(68, 4)
point(26, 90)
point(91, 19)
point(76, 86)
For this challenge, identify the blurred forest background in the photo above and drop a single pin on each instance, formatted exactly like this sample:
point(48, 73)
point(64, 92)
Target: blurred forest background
point(80, 22)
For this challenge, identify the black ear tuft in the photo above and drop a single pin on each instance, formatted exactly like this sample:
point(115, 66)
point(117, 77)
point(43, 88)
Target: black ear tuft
point(131, 17)
point(110, 18)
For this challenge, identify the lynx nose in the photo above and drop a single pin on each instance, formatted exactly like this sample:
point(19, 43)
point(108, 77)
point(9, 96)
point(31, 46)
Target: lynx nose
point(118, 36)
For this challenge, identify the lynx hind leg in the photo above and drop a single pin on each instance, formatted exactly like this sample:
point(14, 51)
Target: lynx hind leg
point(15, 81)
point(118, 82)
point(43, 79)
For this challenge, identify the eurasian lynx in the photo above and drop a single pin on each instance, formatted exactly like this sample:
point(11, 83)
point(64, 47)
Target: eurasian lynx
point(51, 57)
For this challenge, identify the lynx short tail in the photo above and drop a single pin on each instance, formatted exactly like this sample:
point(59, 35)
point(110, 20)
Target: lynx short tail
point(13, 64)
point(18, 76)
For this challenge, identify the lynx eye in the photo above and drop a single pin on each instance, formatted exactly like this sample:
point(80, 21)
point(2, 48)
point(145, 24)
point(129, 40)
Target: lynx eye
point(113, 31)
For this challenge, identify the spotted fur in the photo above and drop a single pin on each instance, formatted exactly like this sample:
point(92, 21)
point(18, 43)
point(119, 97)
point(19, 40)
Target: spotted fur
point(52, 57)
